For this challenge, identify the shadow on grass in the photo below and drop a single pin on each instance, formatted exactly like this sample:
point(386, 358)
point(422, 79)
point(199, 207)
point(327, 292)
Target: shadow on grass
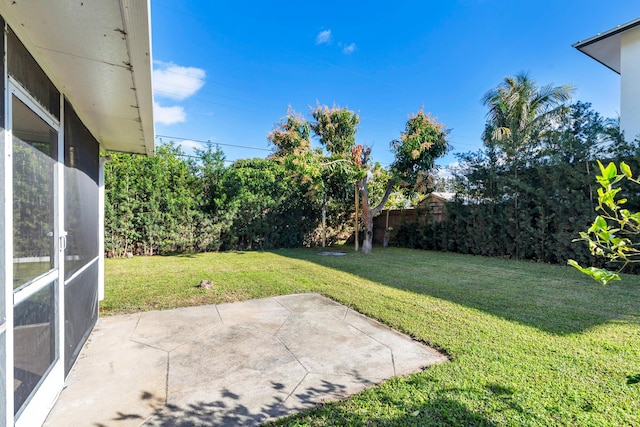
point(555, 299)
point(445, 408)
point(633, 379)
point(435, 412)
point(194, 255)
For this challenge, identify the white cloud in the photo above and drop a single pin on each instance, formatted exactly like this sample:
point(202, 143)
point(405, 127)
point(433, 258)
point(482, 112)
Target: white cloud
point(176, 82)
point(323, 37)
point(349, 49)
point(447, 171)
point(191, 146)
point(168, 115)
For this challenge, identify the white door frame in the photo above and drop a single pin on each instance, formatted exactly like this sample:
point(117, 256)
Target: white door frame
point(39, 405)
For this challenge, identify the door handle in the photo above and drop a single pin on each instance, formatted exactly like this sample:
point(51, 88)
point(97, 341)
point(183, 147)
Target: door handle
point(63, 242)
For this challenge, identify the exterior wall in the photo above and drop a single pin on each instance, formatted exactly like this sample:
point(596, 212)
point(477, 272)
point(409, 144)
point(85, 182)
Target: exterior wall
point(630, 83)
point(46, 318)
point(50, 190)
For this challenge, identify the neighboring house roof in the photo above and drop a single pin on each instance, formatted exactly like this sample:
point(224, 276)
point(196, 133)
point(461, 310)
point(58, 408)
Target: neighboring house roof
point(605, 47)
point(99, 54)
point(437, 197)
point(444, 195)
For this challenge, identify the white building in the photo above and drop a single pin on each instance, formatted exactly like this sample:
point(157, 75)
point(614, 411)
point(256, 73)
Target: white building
point(619, 50)
point(76, 80)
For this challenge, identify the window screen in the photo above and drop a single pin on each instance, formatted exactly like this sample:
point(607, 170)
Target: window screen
point(34, 343)
point(81, 157)
point(81, 192)
point(80, 312)
point(24, 68)
point(34, 159)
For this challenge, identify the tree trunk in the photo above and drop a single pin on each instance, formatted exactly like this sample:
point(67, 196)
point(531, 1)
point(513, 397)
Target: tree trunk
point(324, 220)
point(368, 213)
point(357, 222)
point(385, 242)
point(367, 242)
point(367, 217)
point(590, 188)
point(516, 214)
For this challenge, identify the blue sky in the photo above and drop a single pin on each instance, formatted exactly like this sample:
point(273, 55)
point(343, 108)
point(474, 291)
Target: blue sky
point(225, 71)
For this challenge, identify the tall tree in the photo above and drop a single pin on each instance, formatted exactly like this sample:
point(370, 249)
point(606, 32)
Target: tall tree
point(292, 135)
point(518, 106)
point(415, 153)
point(346, 163)
point(329, 173)
point(336, 128)
point(518, 110)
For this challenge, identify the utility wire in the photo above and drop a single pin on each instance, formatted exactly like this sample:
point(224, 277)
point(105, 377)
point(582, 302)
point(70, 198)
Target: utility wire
point(177, 138)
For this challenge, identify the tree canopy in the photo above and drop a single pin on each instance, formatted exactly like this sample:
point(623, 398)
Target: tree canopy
point(525, 194)
point(518, 107)
point(345, 164)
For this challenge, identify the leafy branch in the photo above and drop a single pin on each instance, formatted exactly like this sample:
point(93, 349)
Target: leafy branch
point(610, 235)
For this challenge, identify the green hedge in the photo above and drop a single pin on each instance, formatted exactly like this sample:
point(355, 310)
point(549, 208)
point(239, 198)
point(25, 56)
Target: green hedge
point(172, 203)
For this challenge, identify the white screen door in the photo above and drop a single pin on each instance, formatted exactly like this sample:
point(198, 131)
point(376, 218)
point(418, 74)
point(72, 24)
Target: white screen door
point(38, 244)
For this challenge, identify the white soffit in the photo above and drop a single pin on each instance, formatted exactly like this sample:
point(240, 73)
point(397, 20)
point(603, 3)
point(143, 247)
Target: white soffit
point(98, 52)
point(605, 47)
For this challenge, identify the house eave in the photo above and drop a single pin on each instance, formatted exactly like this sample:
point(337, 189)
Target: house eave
point(102, 62)
point(605, 47)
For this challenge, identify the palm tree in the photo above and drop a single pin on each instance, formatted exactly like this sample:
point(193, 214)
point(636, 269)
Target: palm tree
point(518, 110)
point(517, 107)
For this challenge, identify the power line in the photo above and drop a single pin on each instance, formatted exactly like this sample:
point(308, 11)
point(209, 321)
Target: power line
point(227, 145)
point(191, 156)
point(215, 143)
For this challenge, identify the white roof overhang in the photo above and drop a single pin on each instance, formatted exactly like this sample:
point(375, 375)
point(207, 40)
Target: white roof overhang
point(605, 47)
point(98, 53)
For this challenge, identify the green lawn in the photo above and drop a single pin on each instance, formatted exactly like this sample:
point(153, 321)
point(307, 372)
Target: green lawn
point(530, 344)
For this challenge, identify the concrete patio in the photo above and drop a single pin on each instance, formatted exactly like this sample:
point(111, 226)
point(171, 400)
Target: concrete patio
point(230, 364)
